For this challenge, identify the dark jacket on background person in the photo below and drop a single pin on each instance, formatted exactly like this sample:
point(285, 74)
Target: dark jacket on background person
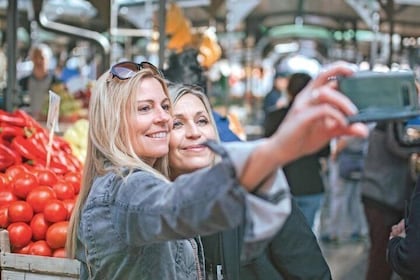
point(404, 253)
point(385, 180)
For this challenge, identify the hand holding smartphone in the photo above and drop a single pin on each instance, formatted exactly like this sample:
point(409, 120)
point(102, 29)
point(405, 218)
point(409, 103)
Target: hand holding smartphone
point(381, 96)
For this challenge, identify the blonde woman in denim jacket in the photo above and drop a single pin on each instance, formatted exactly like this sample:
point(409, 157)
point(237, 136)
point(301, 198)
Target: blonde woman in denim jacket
point(131, 222)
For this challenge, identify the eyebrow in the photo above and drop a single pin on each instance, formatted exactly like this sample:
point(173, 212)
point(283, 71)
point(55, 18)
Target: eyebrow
point(181, 115)
point(152, 101)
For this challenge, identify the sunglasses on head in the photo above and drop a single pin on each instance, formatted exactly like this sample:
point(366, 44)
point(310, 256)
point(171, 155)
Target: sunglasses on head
point(127, 69)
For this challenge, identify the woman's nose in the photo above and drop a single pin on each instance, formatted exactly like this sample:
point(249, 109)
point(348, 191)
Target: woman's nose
point(192, 131)
point(163, 116)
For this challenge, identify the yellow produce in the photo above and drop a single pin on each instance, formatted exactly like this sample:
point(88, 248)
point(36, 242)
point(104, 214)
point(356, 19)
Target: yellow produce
point(77, 135)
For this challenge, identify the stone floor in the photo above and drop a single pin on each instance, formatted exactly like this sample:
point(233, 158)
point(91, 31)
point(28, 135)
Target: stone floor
point(348, 260)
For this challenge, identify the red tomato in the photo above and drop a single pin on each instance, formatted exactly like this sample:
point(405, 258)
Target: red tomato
point(55, 211)
point(6, 197)
point(75, 178)
point(20, 234)
point(4, 217)
point(23, 250)
point(60, 253)
point(39, 226)
point(64, 190)
point(69, 203)
point(20, 211)
point(15, 171)
point(46, 177)
point(39, 196)
point(40, 248)
point(57, 234)
point(4, 182)
point(23, 184)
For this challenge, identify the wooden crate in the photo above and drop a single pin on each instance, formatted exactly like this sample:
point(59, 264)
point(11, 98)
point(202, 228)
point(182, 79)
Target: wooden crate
point(19, 266)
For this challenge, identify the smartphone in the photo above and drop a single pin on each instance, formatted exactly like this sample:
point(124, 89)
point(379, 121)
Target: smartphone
point(381, 96)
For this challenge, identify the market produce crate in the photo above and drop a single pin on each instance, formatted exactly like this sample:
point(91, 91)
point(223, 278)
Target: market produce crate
point(19, 266)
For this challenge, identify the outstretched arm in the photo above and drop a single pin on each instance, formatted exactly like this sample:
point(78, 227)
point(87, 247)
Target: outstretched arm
point(317, 115)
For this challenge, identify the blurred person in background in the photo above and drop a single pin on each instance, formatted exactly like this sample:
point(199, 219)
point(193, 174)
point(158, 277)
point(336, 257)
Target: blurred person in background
point(37, 84)
point(276, 98)
point(345, 210)
point(386, 186)
point(308, 189)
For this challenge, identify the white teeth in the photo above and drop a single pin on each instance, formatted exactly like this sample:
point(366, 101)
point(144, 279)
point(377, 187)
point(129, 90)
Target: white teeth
point(158, 135)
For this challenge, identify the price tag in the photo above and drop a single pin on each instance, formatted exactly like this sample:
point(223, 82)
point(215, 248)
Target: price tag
point(52, 121)
point(53, 111)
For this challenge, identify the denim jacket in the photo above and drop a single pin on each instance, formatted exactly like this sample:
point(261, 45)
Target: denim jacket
point(142, 227)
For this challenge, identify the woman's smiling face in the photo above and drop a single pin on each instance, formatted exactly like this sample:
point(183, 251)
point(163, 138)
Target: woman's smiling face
point(152, 122)
point(191, 127)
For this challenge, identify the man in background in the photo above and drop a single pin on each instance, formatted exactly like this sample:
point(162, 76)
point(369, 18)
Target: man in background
point(276, 98)
point(36, 85)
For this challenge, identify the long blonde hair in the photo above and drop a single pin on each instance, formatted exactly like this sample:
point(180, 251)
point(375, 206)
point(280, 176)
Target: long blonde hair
point(109, 148)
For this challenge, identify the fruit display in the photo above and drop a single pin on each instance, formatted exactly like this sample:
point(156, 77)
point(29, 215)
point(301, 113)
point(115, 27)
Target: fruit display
point(77, 135)
point(71, 108)
point(36, 199)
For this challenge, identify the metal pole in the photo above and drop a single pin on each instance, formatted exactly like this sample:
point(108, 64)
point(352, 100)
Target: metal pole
point(12, 25)
point(113, 25)
point(374, 44)
point(162, 32)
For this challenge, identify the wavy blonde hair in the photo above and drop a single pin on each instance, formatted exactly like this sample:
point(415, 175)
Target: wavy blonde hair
point(109, 148)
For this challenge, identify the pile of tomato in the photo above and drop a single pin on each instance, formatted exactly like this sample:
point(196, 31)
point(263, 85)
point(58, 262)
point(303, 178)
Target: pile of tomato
point(36, 198)
point(35, 207)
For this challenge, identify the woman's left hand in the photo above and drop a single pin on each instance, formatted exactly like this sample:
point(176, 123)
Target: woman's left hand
point(318, 114)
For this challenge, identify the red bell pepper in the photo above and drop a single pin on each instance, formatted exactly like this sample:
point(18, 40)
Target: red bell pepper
point(75, 161)
point(55, 167)
point(43, 138)
point(33, 136)
point(8, 131)
point(12, 119)
point(73, 164)
point(5, 162)
point(63, 144)
point(29, 120)
point(24, 148)
point(8, 157)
